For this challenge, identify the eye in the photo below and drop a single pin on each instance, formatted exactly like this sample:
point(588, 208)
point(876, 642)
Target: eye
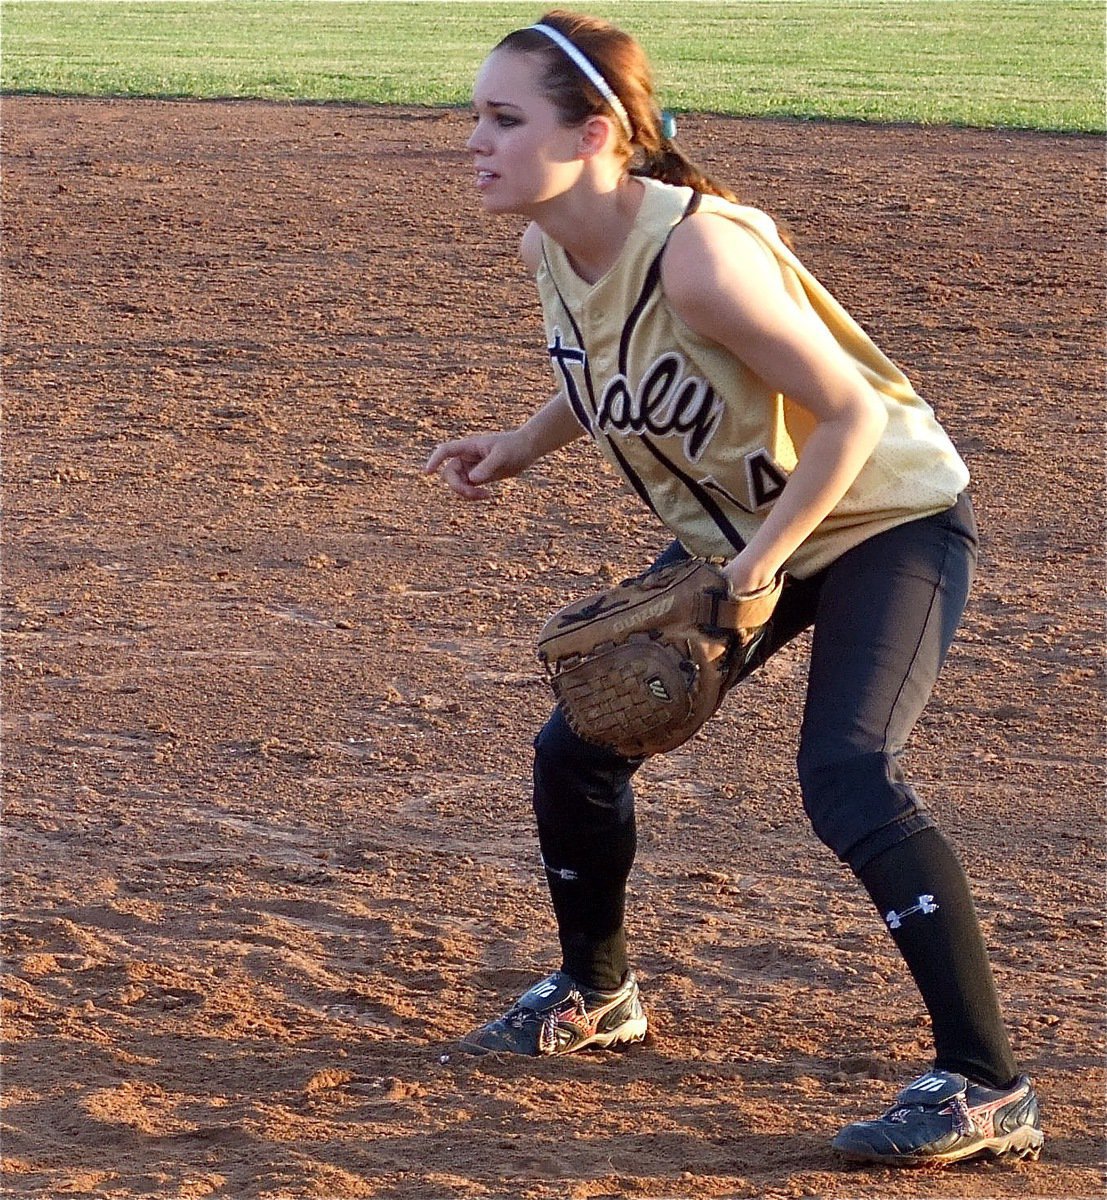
point(506, 122)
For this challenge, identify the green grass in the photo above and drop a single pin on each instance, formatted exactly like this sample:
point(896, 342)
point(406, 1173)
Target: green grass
point(1009, 63)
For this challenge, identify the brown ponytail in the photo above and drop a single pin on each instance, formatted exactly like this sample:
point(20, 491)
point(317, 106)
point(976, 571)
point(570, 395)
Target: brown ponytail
point(671, 165)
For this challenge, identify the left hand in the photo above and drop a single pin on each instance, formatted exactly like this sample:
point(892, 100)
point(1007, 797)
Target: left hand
point(746, 574)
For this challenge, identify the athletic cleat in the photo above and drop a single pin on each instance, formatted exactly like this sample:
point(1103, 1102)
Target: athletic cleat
point(943, 1118)
point(557, 1016)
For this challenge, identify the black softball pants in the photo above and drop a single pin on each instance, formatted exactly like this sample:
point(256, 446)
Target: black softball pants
point(883, 615)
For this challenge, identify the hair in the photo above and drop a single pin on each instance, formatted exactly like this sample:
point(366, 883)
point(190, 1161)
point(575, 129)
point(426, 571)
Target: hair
point(623, 64)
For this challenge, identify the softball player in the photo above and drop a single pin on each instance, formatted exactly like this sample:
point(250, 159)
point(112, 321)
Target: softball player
point(763, 427)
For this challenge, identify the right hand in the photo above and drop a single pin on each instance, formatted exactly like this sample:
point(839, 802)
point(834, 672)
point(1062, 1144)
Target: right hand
point(467, 463)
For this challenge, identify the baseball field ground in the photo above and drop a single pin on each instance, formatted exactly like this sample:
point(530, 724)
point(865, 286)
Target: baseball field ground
point(269, 693)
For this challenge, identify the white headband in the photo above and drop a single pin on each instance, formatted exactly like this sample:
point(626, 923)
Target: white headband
point(594, 77)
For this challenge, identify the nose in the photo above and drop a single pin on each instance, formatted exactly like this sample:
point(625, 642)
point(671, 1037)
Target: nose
point(477, 141)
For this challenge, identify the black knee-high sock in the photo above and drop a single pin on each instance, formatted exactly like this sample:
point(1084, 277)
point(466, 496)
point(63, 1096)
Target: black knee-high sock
point(584, 804)
point(587, 870)
point(920, 889)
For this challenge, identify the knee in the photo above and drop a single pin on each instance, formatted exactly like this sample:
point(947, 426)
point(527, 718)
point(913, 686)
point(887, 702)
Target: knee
point(568, 771)
point(555, 741)
point(859, 804)
point(558, 746)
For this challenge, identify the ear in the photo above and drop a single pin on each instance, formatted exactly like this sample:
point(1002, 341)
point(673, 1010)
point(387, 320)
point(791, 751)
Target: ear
point(596, 134)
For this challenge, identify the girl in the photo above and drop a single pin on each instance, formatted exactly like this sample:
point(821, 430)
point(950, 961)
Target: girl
point(761, 425)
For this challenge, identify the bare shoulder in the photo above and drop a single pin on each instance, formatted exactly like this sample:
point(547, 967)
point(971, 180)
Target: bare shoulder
point(530, 248)
point(715, 271)
point(709, 248)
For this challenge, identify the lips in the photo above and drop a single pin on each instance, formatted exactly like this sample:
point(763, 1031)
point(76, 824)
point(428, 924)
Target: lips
point(486, 178)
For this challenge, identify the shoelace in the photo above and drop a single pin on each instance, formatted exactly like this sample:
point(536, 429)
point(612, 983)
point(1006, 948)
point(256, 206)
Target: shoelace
point(962, 1117)
point(963, 1122)
point(547, 1033)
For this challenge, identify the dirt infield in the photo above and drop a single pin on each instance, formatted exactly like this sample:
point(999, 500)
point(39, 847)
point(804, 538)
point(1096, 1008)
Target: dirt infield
point(270, 693)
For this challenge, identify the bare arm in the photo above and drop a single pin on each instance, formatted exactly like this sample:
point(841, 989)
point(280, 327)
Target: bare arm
point(468, 463)
point(720, 282)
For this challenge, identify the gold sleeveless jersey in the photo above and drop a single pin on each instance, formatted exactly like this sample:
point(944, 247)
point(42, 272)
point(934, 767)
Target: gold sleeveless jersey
point(704, 443)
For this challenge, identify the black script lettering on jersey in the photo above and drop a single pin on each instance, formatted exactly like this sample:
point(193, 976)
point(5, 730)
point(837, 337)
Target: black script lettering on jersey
point(563, 357)
point(663, 403)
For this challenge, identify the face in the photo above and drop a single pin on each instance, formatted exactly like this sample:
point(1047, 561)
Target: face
point(523, 155)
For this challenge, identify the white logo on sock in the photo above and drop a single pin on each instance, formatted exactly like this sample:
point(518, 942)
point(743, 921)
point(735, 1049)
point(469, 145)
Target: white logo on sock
point(561, 872)
point(924, 906)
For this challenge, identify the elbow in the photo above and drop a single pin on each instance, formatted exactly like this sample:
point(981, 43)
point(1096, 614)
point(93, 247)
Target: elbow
point(859, 419)
point(871, 417)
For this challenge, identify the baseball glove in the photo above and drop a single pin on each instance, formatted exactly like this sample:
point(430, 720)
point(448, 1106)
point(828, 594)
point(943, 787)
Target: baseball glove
point(640, 667)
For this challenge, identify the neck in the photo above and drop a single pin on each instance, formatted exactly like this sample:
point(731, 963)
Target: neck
point(593, 226)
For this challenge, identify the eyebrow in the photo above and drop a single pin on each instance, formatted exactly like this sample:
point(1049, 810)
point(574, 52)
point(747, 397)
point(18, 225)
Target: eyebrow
point(497, 104)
